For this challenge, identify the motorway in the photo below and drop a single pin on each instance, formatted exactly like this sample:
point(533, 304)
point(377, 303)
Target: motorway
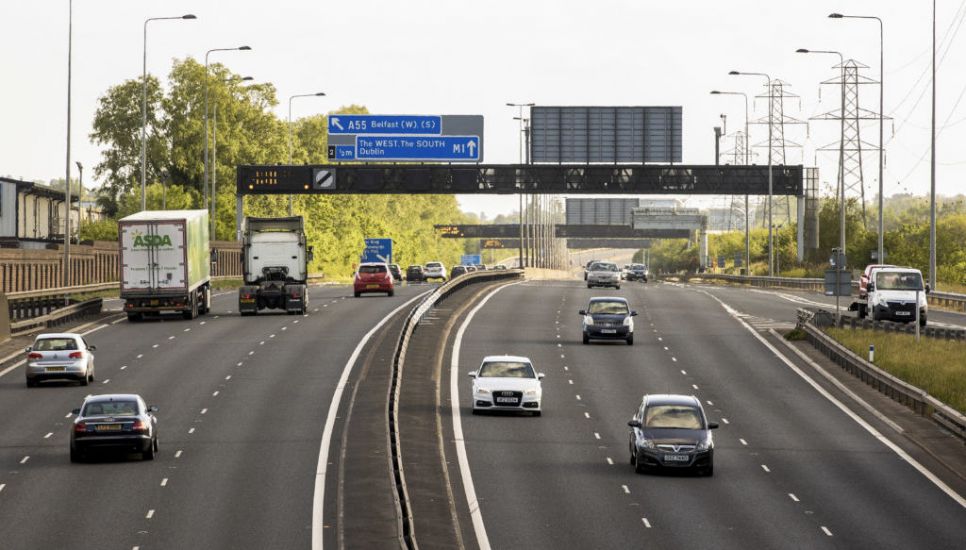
point(242, 406)
point(793, 470)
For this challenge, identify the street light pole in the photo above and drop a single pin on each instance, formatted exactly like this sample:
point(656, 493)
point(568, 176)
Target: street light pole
point(144, 105)
point(932, 163)
point(70, 48)
point(523, 245)
point(214, 163)
point(747, 163)
point(317, 94)
point(771, 240)
point(881, 241)
point(205, 180)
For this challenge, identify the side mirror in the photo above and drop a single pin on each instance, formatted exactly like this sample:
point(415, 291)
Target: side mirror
point(540, 375)
point(633, 314)
point(870, 287)
point(75, 411)
point(928, 288)
point(472, 374)
point(634, 423)
point(92, 348)
point(153, 409)
point(310, 254)
point(712, 425)
point(582, 312)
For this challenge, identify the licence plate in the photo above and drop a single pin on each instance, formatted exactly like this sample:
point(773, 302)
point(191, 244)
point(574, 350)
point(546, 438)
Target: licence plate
point(107, 428)
point(372, 286)
point(55, 369)
point(155, 302)
point(676, 458)
point(247, 300)
point(510, 400)
point(903, 313)
point(609, 331)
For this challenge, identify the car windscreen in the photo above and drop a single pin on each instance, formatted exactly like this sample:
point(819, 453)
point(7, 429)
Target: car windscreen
point(673, 416)
point(111, 408)
point(608, 308)
point(506, 369)
point(603, 267)
point(892, 280)
point(55, 344)
point(372, 269)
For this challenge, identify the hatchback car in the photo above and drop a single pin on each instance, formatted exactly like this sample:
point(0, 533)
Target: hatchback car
point(457, 271)
point(61, 356)
point(119, 422)
point(435, 270)
point(636, 272)
point(507, 383)
point(671, 432)
point(608, 319)
point(414, 274)
point(604, 274)
point(373, 277)
point(395, 272)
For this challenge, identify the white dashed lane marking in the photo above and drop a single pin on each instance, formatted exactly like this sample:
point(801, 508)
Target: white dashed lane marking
point(610, 461)
point(177, 454)
point(826, 531)
point(123, 367)
point(626, 490)
point(793, 497)
point(725, 420)
point(646, 523)
point(154, 345)
point(191, 430)
point(586, 414)
point(150, 514)
point(140, 355)
point(164, 482)
point(743, 442)
point(203, 411)
point(596, 435)
point(765, 467)
point(48, 435)
point(25, 459)
point(215, 393)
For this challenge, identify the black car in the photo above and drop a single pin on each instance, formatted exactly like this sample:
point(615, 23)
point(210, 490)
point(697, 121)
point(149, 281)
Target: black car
point(608, 319)
point(119, 422)
point(414, 274)
point(636, 272)
point(395, 272)
point(671, 432)
point(457, 271)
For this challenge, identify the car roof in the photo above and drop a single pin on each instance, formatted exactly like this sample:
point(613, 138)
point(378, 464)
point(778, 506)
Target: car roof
point(373, 263)
point(518, 358)
point(896, 268)
point(58, 335)
point(113, 397)
point(672, 399)
point(608, 299)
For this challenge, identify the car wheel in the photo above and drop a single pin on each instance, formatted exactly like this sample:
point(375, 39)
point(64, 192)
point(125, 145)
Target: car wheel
point(391, 293)
point(537, 413)
point(590, 285)
point(148, 454)
point(639, 465)
point(630, 340)
point(76, 456)
point(586, 339)
point(708, 471)
point(85, 381)
point(357, 294)
point(617, 287)
point(31, 383)
point(476, 412)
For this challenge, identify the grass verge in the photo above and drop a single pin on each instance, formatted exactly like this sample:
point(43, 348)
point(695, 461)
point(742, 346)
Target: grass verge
point(937, 366)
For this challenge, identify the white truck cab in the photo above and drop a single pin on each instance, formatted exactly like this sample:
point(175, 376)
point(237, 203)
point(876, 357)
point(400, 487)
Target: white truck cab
point(893, 294)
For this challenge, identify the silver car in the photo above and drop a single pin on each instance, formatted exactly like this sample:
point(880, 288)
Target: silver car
point(60, 356)
point(604, 274)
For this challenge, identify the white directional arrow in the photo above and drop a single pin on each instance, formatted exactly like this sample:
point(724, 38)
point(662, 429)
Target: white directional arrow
point(337, 124)
point(471, 146)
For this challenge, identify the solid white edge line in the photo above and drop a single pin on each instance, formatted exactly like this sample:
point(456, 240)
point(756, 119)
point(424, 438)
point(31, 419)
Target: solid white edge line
point(318, 496)
point(467, 477)
point(851, 414)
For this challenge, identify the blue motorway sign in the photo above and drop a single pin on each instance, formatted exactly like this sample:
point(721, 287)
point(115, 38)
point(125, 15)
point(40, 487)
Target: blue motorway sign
point(409, 148)
point(471, 259)
point(386, 124)
point(377, 250)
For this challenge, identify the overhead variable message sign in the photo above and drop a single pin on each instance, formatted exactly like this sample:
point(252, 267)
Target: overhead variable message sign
point(406, 138)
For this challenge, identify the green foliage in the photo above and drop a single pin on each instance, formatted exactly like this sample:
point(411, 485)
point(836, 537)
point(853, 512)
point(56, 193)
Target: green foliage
point(101, 230)
point(159, 197)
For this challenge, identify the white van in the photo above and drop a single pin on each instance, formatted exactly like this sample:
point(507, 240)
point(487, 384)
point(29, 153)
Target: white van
point(892, 295)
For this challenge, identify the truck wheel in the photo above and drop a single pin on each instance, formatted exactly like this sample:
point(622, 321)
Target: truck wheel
point(863, 312)
point(205, 306)
point(134, 317)
point(922, 321)
point(193, 312)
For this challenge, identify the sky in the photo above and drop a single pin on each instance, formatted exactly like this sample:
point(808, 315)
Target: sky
point(463, 57)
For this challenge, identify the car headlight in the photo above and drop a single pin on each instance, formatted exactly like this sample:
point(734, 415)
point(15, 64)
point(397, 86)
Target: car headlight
point(532, 393)
point(588, 320)
point(481, 391)
point(645, 444)
point(628, 322)
point(706, 444)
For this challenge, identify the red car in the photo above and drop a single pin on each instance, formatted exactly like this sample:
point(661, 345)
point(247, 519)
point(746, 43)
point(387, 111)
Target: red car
point(864, 280)
point(373, 277)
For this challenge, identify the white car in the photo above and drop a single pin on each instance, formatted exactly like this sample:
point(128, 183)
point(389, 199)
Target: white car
point(507, 383)
point(60, 356)
point(435, 270)
point(604, 274)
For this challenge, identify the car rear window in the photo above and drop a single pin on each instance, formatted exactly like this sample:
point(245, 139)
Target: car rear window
point(434, 264)
point(673, 416)
point(111, 408)
point(372, 269)
point(55, 344)
point(611, 308)
point(506, 369)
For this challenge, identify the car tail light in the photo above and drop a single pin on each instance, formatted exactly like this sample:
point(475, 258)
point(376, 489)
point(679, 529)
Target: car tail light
point(139, 426)
point(80, 427)
point(76, 355)
point(35, 355)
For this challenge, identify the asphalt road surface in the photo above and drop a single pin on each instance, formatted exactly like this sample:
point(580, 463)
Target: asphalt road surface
point(792, 469)
point(242, 406)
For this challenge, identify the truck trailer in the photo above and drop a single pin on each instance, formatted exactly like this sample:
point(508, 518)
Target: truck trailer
point(165, 263)
point(275, 261)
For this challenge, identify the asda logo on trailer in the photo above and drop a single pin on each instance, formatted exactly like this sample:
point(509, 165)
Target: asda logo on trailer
point(147, 241)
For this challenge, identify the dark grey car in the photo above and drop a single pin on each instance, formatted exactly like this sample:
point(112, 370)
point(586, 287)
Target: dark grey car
point(671, 432)
point(119, 422)
point(608, 318)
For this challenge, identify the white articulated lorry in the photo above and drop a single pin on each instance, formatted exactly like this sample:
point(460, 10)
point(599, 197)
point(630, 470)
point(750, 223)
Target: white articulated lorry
point(165, 263)
point(275, 261)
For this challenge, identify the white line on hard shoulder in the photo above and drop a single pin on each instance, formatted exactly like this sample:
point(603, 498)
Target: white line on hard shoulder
point(826, 531)
point(177, 453)
point(122, 319)
point(793, 497)
point(164, 482)
point(150, 514)
point(48, 435)
point(626, 490)
point(321, 468)
point(13, 366)
point(97, 328)
point(765, 467)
